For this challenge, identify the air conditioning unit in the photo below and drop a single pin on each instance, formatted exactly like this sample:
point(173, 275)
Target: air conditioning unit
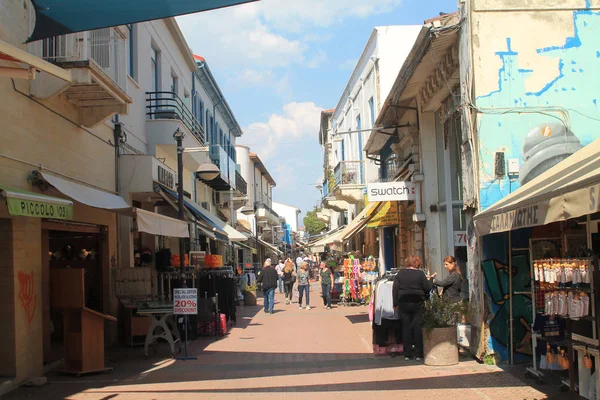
point(221, 198)
point(205, 205)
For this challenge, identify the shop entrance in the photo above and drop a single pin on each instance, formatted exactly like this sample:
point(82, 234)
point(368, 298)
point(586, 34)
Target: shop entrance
point(78, 247)
point(8, 367)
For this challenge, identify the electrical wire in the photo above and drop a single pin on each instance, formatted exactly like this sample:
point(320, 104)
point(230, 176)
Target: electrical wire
point(59, 114)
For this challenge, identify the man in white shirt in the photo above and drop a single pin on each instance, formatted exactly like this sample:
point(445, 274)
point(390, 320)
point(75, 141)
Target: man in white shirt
point(279, 269)
point(299, 261)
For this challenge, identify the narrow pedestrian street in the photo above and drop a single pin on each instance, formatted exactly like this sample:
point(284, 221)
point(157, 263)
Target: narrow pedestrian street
point(292, 354)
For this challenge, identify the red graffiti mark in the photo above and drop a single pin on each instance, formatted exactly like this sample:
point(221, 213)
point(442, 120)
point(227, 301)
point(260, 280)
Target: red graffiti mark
point(27, 294)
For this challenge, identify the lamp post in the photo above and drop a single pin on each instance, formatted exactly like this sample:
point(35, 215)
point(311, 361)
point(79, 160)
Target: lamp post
point(178, 136)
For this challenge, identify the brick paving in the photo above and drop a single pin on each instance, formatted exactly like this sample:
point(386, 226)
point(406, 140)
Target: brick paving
point(293, 354)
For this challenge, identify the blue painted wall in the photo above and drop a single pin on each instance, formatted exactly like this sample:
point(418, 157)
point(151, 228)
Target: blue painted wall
point(568, 102)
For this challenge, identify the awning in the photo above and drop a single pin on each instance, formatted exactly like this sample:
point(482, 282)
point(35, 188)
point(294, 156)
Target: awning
point(60, 17)
point(157, 224)
point(252, 249)
point(86, 194)
point(333, 236)
point(361, 220)
point(11, 53)
point(570, 189)
point(214, 221)
point(270, 246)
point(30, 204)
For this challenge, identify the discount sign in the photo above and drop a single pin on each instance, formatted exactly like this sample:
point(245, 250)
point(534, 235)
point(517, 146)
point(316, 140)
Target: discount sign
point(185, 301)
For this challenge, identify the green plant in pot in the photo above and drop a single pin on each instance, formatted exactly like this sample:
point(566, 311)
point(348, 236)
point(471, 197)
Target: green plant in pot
point(439, 330)
point(250, 295)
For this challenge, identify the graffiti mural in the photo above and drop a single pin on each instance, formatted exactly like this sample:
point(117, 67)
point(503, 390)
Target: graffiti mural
point(27, 294)
point(539, 127)
point(497, 288)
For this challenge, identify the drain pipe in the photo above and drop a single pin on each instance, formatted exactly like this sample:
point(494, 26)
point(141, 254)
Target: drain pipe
point(119, 138)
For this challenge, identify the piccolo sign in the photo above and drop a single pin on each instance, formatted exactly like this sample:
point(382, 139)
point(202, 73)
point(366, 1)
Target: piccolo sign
point(391, 191)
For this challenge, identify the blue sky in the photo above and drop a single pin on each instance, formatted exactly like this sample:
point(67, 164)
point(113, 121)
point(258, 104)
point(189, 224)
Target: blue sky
point(280, 62)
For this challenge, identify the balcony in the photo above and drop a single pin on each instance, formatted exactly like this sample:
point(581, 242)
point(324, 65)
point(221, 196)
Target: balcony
point(240, 184)
point(330, 202)
point(266, 214)
point(349, 181)
point(227, 167)
point(324, 214)
point(97, 61)
point(169, 106)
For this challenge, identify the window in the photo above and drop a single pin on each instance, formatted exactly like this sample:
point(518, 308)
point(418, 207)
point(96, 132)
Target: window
point(132, 51)
point(221, 138)
point(372, 110)
point(154, 69)
point(343, 149)
point(174, 85)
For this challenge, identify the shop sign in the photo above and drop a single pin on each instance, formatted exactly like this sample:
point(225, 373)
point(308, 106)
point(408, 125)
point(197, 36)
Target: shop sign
point(460, 239)
point(40, 209)
point(185, 301)
point(516, 219)
point(391, 191)
point(166, 177)
point(387, 215)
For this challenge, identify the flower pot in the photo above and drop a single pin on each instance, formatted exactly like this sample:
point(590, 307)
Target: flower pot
point(249, 298)
point(439, 346)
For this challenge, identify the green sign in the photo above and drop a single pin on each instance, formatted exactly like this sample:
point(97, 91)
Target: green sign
point(40, 209)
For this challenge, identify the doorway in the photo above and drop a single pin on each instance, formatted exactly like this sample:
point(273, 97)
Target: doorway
point(70, 248)
point(8, 367)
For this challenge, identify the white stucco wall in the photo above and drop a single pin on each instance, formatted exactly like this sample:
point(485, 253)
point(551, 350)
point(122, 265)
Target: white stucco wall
point(290, 213)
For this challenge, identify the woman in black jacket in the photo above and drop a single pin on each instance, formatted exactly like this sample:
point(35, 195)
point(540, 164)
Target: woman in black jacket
point(411, 288)
point(452, 284)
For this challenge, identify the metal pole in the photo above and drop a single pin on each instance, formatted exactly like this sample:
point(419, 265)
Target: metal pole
point(510, 297)
point(179, 138)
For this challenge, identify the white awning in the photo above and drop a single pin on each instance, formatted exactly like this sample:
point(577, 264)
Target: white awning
point(270, 246)
point(570, 189)
point(157, 224)
point(332, 236)
point(86, 194)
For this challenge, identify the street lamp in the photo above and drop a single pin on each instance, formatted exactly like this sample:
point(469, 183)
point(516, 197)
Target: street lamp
point(178, 135)
point(208, 171)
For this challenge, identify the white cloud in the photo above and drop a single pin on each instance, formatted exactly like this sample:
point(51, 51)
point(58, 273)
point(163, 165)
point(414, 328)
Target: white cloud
point(297, 122)
point(319, 58)
point(279, 83)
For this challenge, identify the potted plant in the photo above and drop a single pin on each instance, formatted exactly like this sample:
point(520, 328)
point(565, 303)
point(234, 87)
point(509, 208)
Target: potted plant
point(250, 295)
point(441, 316)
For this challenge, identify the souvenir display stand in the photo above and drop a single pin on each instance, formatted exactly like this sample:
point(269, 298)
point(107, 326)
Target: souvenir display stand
point(83, 327)
point(564, 332)
point(354, 281)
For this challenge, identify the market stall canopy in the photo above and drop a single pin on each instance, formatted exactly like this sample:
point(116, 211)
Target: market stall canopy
point(85, 194)
point(570, 189)
point(333, 236)
point(14, 54)
point(270, 246)
point(30, 204)
point(60, 17)
point(162, 225)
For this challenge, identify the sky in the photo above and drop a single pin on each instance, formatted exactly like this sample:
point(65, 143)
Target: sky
point(279, 63)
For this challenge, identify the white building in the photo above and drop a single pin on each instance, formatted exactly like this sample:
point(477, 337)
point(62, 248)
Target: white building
point(289, 213)
point(345, 129)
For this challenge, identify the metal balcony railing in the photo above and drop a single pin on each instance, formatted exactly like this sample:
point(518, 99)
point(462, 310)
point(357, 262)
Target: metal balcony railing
point(349, 173)
point(325, 189)
point(240, 183)
point(167, 105)
point(266, 207)
point(106, 48)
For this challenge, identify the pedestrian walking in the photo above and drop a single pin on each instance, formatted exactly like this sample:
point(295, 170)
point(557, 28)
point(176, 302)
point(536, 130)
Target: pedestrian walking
point(409, 291)
point(452, 284)
point(289, 278)
point(268, 279)
point(326, 280)
point(303, 285)
point(279, 269)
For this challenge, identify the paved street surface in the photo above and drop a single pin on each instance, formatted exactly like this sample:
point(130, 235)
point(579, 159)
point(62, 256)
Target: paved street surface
point(293, 354)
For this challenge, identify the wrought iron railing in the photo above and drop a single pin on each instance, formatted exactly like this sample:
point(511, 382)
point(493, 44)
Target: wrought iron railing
point(106, 48)
point(167, 105)
point(349, 173)
point(240, 183)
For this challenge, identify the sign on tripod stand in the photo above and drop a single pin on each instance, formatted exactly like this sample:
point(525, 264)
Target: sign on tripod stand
point(185, 301)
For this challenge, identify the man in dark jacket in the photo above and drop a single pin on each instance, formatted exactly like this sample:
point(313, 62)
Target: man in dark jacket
point(268, 278)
